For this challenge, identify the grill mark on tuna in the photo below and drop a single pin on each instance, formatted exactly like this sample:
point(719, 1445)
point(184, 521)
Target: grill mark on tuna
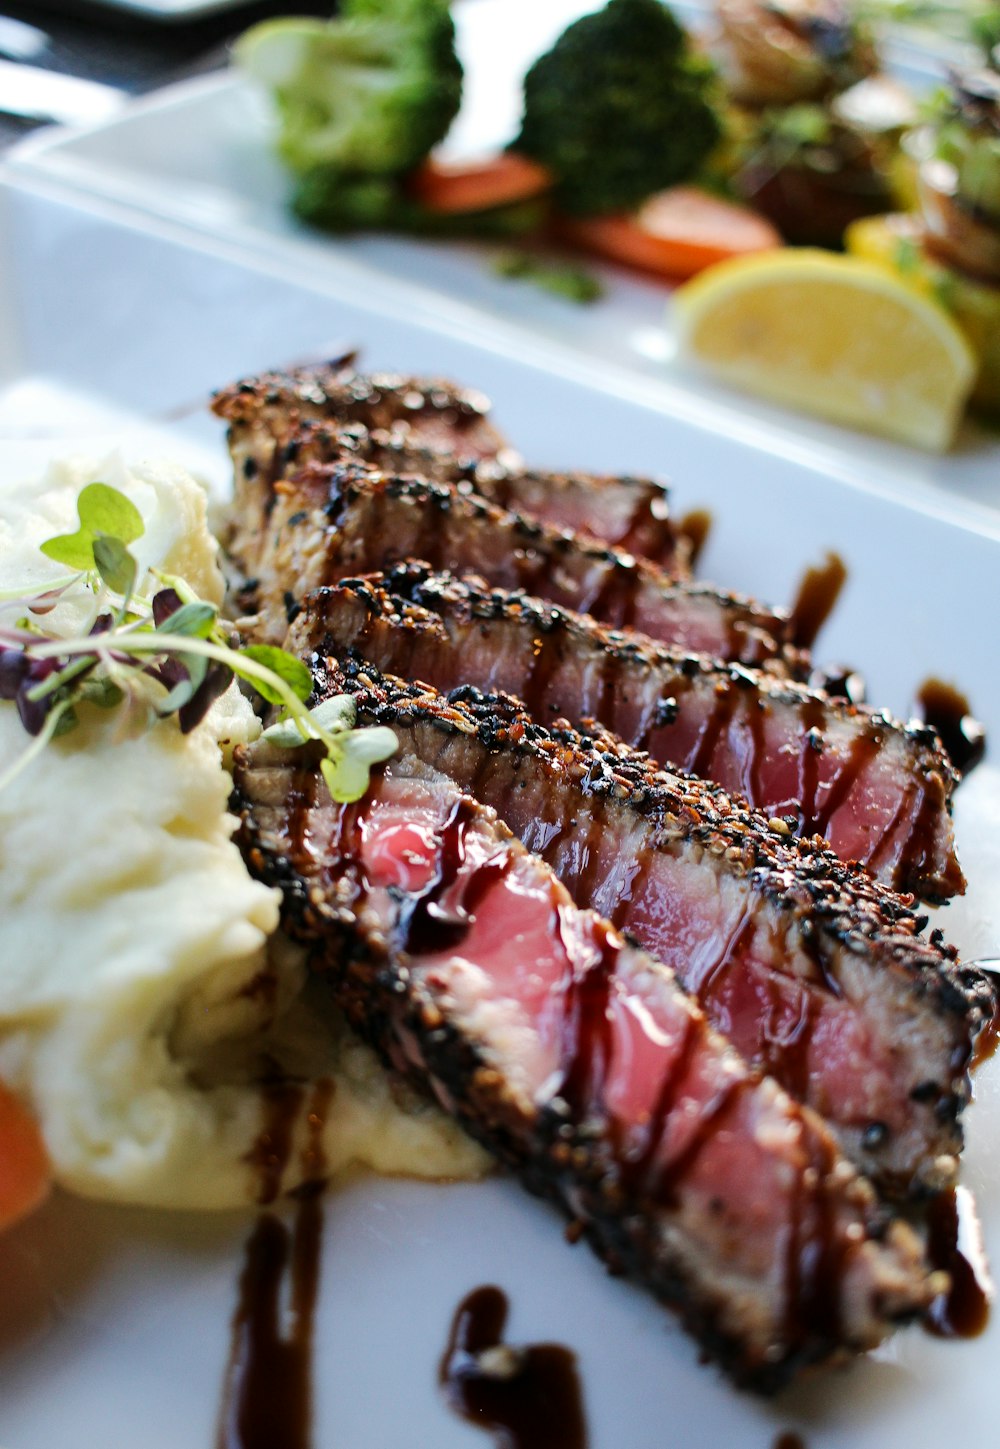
point(335, 414)
point(881, 791)
point(824, 946)
point(705, 1201)
point(350, 520)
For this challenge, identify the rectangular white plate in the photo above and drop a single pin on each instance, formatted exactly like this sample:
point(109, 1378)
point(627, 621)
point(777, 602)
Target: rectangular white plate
point(114, 1323)
point(199, 154)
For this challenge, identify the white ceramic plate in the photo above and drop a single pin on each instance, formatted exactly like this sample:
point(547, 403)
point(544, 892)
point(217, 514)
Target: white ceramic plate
point(199, 154)
point(114, 1323)
point(176, 11)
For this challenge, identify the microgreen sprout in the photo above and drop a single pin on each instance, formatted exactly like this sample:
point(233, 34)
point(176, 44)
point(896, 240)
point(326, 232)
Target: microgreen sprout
point(151, 641)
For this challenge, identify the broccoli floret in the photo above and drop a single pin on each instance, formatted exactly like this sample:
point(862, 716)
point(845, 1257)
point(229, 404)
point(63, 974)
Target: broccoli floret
point(342, 202)
point(618, 109)
point(370, 92)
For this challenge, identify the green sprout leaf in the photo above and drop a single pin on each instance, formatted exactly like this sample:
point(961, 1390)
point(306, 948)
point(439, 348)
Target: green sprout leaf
point(75, 550)
point(104, 512)
point(115, 565)
point(103, 693)
point(347, 770)
point(196, 620)
point(289, 669)
point(332, 716)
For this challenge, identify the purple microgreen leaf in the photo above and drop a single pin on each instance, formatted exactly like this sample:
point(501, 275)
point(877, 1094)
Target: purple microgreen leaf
point(14, 670)
point(186, 673)
point(45, 603)
point(102, 624)
point(218, 678)
point(32, 711)
point(164, 603)
point(50, 684)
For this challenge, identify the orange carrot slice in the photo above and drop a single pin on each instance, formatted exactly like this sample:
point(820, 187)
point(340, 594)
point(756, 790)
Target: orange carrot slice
point(675, 234)
point(25, 1176)
point(453, 187)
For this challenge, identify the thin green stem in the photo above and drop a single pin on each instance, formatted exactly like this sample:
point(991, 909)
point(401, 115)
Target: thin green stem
point(38, 744)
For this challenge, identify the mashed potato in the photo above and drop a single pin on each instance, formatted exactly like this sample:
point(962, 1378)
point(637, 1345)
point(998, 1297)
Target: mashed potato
point(132, 937)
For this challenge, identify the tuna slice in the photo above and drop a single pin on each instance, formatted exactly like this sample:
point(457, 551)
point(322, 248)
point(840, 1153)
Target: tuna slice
point(579, 1061)
point(816, 973)
point(409, 426)
point(879, 791)
point(331, 521)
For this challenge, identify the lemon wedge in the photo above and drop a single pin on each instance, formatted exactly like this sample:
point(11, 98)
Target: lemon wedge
point(831, 335)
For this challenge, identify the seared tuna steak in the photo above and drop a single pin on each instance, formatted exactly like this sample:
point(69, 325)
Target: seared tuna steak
point(331, 521)
point(409, 427)
point(578, 1060)
point(816, 973)
point(879, 791)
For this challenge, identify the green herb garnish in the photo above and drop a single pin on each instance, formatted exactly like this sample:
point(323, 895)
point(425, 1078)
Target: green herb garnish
point(562, 279)
point(153, 640)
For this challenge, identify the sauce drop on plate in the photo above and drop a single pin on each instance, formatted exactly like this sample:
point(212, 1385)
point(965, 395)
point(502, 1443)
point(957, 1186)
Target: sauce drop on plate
point(948, 711)
point(696, 525)
point(818, 593)
point(529, 1397)
point(955, 1243)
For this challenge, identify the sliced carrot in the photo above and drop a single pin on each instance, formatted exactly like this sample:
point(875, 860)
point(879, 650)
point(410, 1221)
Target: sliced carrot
point(453, 187)
point(676, 233)
point(25, 1176)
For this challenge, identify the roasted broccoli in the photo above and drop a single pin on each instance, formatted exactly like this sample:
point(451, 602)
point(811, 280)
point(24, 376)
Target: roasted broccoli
point(618, 109)
point(368, 93)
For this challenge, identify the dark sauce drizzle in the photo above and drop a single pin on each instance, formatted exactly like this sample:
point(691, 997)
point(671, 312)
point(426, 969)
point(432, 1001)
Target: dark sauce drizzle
point(439, 916)
point(964, 1310)
point(696, 526)
point(267, 1391)
point(948, 711)
point(818, 593)
point(272, 1149)
point(528, 1398)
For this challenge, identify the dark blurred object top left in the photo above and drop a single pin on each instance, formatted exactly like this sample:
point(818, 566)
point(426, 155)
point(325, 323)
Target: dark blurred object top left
point(134, 49)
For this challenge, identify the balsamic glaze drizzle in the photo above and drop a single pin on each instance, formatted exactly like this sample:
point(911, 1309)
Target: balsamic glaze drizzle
point(696, 525)
point(267, 1391)
point(954, 1243)
point(528, 1398)
point(818, 593)
point(948, 711)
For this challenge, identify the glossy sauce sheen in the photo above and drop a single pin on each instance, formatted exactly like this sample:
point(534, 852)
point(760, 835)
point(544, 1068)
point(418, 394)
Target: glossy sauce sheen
point(948, 711)
point(528, 1398)
point(954, 1244)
